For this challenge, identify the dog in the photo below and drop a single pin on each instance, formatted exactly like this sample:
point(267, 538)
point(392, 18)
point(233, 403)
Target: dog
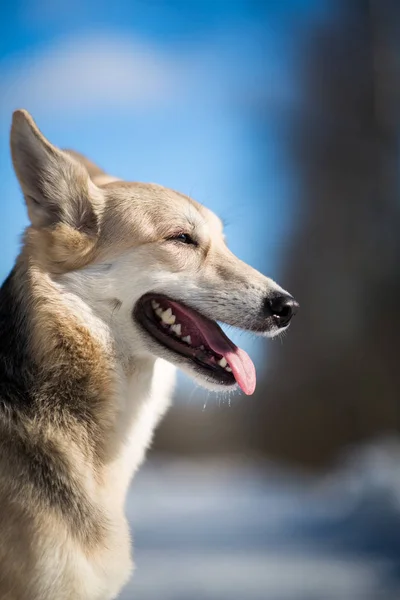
point(116, 285)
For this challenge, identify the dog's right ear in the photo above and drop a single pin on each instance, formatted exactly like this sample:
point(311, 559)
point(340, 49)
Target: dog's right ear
point(56, 186)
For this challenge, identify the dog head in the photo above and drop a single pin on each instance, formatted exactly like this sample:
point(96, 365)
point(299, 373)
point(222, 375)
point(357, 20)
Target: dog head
point(150, 263)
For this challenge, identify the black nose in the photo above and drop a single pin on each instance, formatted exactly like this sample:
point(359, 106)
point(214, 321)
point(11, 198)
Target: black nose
point(283, 308)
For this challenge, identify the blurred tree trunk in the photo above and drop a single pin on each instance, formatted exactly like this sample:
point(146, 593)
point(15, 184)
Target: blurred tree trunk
point(336, 379)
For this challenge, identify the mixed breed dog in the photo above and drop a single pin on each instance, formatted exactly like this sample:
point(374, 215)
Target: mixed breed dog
point(116, 285)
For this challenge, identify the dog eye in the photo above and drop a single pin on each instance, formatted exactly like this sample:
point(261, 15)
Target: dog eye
point(185, 238)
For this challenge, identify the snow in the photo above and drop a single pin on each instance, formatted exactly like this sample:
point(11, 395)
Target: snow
point(225, 530)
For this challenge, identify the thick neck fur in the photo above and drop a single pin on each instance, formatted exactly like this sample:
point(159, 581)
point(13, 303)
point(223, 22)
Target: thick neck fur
point(17, 371)
point(60, 373)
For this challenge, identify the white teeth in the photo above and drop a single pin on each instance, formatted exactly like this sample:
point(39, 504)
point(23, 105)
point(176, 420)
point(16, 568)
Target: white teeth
point(187, 339)
point(168, 317)
point(228, 369)
point(177, 329)
point(201, 347)
point(222, 362)
point(154, 304)
point(159, 312)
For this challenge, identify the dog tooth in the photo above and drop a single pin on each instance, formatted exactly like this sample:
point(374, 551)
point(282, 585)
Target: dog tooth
point(177, 329)
point(222, 362)
point(155, 304)
point(202, 348)
point(187, 339)
point(159, 312)
point(228, 369)
point(166, 313)
point(168, 317)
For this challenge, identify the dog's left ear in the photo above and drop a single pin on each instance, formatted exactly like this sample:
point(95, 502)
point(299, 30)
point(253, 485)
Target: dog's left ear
point(56, 187)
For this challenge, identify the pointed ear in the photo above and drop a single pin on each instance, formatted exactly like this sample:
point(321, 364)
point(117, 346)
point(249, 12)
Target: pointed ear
point(56, 187)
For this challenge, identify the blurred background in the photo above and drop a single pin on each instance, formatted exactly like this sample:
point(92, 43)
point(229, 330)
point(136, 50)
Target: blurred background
point(282, 116)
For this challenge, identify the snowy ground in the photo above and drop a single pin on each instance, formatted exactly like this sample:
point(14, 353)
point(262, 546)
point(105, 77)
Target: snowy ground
point(227, 532)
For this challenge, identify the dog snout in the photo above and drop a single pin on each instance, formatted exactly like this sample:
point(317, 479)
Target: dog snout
point(282, 307)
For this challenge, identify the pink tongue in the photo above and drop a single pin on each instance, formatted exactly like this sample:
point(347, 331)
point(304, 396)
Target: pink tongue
point(239, 361)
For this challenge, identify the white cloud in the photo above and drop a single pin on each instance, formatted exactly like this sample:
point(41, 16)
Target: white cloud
point(89, 72)
point(108, 71)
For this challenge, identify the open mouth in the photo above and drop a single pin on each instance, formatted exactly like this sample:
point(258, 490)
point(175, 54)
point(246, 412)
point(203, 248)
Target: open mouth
point(197, 339)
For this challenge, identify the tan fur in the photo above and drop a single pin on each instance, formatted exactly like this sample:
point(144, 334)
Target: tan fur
point(82, 387)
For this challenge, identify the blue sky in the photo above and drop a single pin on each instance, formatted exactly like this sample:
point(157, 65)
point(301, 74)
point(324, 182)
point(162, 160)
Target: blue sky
point(195, 95)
